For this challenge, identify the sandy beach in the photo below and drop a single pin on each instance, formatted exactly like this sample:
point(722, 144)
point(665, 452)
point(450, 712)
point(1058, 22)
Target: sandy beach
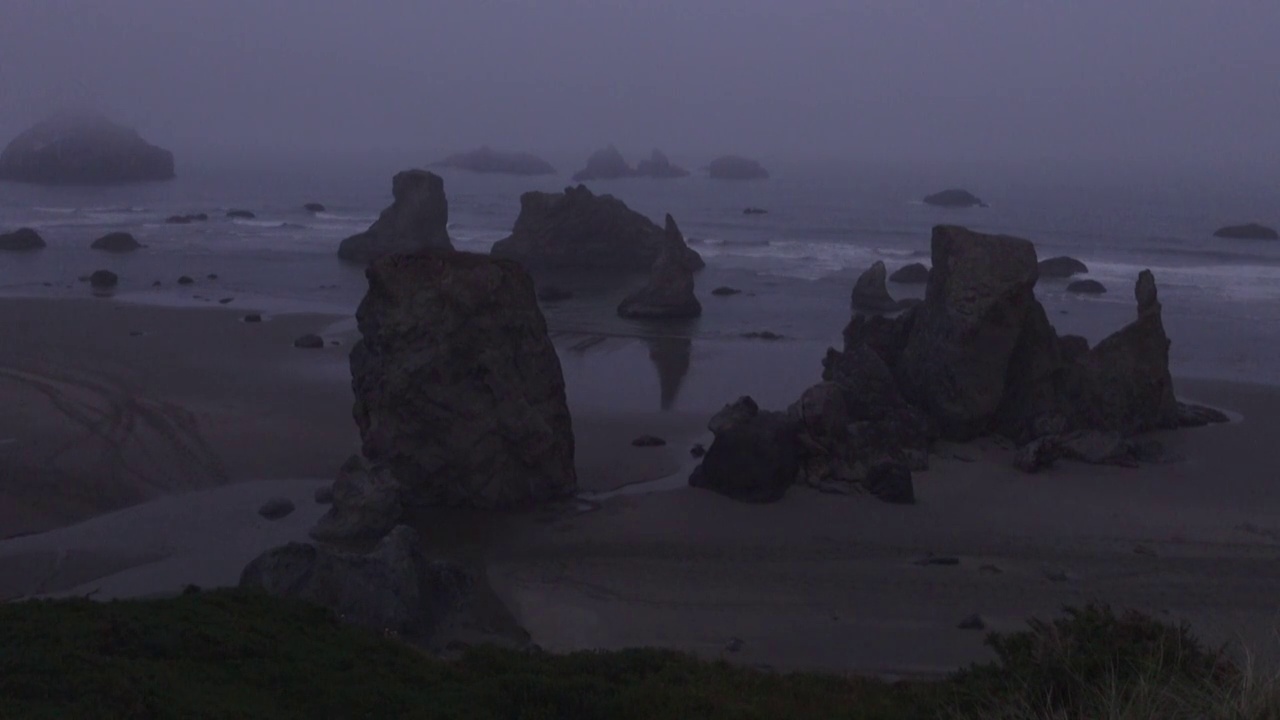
point(136, 444)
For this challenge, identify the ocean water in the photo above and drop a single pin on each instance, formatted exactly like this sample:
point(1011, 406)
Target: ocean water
point(795, 264)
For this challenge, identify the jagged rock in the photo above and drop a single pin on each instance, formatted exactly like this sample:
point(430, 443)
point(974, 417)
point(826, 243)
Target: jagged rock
point(913, 274)
point(21, 240)
point(365, 504)
point(116, 242)
point(954, 197)
point(733, 167)
point(314, 207)
point(1061, 267)
point(1086, 287)
point(577, 230)
point(669, 294)
point(458, 388)
point(241, 214)
point(658, 166)
point(417, 220)
point(754, 457)
point(870, 294)
point(485, 159)
point(276, 508)
point(1248, 231)
point(886, 336)
point(81, 148)
point(964, 335)
point(392, 590)
point(102, 279)
point(604, 164)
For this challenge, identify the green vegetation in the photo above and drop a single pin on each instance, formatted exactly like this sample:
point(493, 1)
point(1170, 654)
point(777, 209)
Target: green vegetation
point(233, 654)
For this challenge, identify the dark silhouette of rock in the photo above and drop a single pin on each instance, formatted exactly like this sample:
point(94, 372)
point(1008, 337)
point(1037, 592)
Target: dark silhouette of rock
point(252, 318)
point(761, 335)
point(393, 589)
point(870, 294)
point(1061, 267)
point(116, 242)
point(365, 504)
point(241, 214)
point(755, 454)
point(671, 356)
point(646, 441)
point(658, 166)
point(913, 274)
point(725, 291)
point(310, 341)
point(314, 207)
point(417, 220)
point(754, 211)
point(604, 164)
point(553, 293)
point(83, 148)
point(733, 167)
point(277, 508)
point(185, 280)
point(669, 293)
point(21, 240)
point(955, 198)
point(458, 388)
point(577, 230)
point(1249, 231)
point(485, 159)
point(891, 482)
point(186, 219)
point(103, 279)
point(1086, 287)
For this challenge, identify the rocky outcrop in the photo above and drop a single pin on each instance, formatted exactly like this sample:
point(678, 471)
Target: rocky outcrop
point(669, 294)
point(314, 207)
point(21, 240)
point(658, 166)
point(912, 274)
point(1062, 267)
point(83, 149)
point(955, 198)
point(393, 590)
point(604, 164)
point(485, 159)
point(871, 295)
point(1086, 287)
point(417, 220)
point(103, 280)
point(578, 230)
point(1248, 231)
point(365, 504)
point(458, 389)
point(116, 242)
point(733, 167)
point(755, 454)
point(241, 214)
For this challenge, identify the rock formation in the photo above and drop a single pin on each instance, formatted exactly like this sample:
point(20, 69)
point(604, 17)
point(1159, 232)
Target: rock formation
point(487, 160)
point(416, 220)
point(458, 389)
point(241, 214)
point(733, 167)
point(755, 455)
point(954, 197)
point(604, 164)
point(912, 274)
point(577, 230)
point(103, 280)
point(871, 295)
point(365, 504)
point(314, 207)
point(83, 149)
point(1248, 231)
point(669, 294)
point(116, 242)
point(658, 166)
point(1061, 267)
point(21, 240)
point(1086, 287)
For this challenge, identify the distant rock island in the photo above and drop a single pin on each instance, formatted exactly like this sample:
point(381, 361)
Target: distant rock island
point(83, 148)
point(609, 164)
point(1248, 231)
point(733, 167)
point(485, 159)
point(954, 197)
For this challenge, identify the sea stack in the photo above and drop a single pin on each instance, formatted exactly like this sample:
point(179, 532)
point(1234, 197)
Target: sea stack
point(82, 148)
point(669, 294)
point(416, 220)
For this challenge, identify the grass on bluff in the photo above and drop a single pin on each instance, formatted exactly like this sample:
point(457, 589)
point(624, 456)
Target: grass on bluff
point(235, 654)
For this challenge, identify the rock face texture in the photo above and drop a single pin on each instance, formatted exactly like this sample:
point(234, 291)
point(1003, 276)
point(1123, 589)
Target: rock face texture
point(458, 389)
point(83, 149)
point(393, 589)
point(1249, 231)
point(417, 220)
point(485, 159)
point(116, 242)
point(669, 294)
point(954, 197)
point(578, 230)
point(733, 167)
point(21, 240)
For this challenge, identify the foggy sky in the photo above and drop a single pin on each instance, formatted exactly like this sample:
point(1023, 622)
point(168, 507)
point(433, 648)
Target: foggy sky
point(1130, 81)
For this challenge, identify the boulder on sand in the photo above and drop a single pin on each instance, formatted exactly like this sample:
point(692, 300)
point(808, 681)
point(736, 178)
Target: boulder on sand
point(604, 164)
point(754, 456)
point(913, 274)
point(83, 148)
point(21, 240)
point(416, 220)
point(1061, 267)
point(954, 197)
point(669, 293)
point(116, 242)
point(578, 230)
point(458, 389)
point(1248, 231)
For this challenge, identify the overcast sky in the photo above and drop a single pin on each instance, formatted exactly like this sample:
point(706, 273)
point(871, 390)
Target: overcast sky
point(1110, 80)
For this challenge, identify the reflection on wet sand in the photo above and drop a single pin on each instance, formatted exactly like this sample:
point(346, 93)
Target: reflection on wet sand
point(671, 355)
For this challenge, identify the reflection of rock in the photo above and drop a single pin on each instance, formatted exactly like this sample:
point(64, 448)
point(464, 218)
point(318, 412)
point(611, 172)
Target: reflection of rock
point(416, 220)
point(671, 356)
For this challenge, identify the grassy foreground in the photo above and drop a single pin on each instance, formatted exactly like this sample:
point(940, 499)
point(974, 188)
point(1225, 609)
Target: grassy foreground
point(232, 654)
